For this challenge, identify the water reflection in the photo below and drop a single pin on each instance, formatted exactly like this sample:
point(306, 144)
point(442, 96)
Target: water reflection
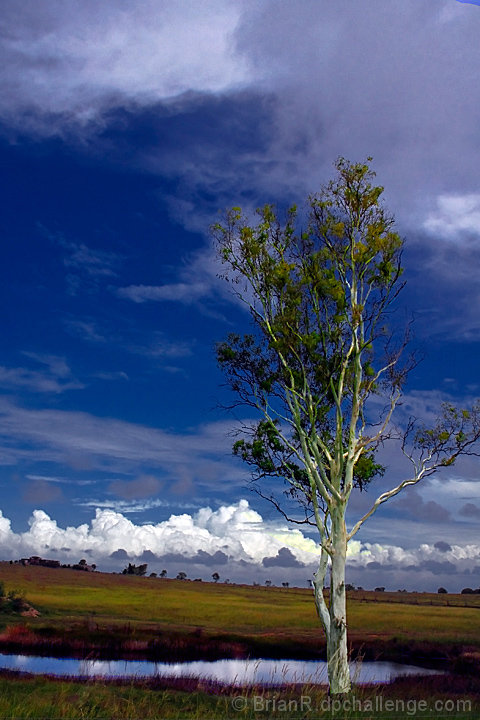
point(235, 672)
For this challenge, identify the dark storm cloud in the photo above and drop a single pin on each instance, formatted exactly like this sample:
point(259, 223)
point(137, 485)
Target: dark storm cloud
point(433, 566)
point(200, 558)
point(172, 558)
point(413, 505)
point(147, 556)
point(384, 567)
point(204, 558)
point(425, 566)
point(442, 546)
point(284, 558)
point(470, 510)
point(119, 554)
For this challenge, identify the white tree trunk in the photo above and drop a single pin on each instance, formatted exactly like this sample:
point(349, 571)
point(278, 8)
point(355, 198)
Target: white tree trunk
point(337, 651)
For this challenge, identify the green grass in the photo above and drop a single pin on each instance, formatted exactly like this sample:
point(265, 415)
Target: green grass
point(36, 698)
point(418, 622)
point(66, 598)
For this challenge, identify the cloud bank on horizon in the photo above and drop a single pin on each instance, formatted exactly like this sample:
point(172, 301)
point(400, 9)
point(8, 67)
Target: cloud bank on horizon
point(124, 129)
point(236, 540)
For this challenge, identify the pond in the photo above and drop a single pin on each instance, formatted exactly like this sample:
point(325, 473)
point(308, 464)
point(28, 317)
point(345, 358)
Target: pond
point(232, 672)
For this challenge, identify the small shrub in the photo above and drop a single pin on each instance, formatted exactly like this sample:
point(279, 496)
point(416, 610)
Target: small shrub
point(442, 590)
point(13, 601)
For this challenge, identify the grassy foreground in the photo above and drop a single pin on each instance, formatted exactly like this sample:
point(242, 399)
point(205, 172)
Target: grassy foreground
point(426, 698)
point(99, 613)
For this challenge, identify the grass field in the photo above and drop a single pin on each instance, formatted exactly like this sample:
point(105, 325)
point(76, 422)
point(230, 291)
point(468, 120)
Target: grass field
point(133, 614)
point(66, 598)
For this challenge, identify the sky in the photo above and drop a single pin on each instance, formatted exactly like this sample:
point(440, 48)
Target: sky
point(126, 130)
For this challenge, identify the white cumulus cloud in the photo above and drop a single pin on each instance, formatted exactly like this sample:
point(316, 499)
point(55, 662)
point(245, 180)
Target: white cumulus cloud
point(235, 531)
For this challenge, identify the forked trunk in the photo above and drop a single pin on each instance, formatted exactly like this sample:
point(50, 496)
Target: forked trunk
point(337, 651)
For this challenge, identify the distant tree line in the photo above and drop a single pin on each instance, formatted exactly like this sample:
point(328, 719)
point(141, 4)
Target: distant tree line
point(135, 569)
point(38, 561)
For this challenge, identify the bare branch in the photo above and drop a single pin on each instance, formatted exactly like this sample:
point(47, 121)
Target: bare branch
point(277, 506)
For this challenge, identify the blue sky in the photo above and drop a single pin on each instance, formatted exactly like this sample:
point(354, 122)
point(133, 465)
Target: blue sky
point(124, 129)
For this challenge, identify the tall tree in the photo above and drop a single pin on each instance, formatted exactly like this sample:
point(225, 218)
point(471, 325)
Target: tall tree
point(319, 350)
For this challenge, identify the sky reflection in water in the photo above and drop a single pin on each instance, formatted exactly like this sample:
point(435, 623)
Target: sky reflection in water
point(237, 672)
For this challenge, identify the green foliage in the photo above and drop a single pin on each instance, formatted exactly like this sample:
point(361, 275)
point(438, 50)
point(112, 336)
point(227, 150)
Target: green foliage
point(317, 299)
point(451, 436)
point(366, 469)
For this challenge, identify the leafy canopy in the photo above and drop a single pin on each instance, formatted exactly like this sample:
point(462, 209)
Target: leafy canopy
point(318, 297)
